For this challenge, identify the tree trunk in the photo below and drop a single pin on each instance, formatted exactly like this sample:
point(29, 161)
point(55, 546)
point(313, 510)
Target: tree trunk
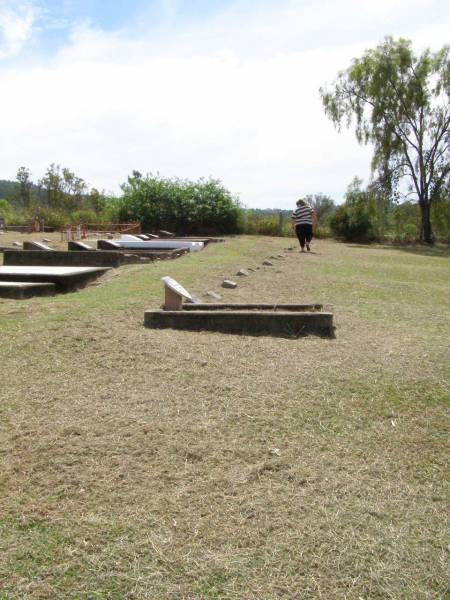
point(426, 234)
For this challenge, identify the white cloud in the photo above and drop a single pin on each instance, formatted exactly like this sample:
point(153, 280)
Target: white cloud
point(235, 97)
point(16, 26)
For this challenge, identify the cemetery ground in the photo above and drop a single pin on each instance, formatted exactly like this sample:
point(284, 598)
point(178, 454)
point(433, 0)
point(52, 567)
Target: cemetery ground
point(160, 464)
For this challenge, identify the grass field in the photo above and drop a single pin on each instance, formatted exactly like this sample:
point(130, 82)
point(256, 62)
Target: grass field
point(146, 464)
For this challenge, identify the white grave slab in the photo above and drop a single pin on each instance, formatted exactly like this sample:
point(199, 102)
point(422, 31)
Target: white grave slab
point(131, 241)
point(7, 270)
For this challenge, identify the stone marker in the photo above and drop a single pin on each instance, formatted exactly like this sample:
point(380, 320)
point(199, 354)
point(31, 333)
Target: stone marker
point(174, 294)
point(251, 269)
point(193, 300)
point(268, 263)
point(47, 240)
point(243, 272)
point(18, 244)
point(30, 245)
point(214, 295)
point(227, 283)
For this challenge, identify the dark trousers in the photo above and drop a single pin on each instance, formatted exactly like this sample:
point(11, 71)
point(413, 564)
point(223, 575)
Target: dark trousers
point(304, 233)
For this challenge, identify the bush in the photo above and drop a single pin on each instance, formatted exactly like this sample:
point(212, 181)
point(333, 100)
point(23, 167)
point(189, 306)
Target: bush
point(352, 223)
point(204, 207)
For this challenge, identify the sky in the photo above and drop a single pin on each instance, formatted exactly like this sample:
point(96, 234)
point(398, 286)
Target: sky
point(227, 89)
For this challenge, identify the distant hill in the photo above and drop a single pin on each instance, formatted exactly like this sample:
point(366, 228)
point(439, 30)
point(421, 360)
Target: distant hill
point(7, 188)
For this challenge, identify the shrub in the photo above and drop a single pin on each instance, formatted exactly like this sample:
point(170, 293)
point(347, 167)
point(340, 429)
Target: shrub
point(204, 207)
point(352, 223)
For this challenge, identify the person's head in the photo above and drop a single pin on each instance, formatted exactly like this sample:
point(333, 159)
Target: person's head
point(301, 202)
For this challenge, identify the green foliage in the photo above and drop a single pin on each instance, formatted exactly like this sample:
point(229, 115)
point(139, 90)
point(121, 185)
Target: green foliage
point(400, 104)
point(185, 207)
point(267, 222)
point(9, 213)
point(324, 207)
point(353, 220)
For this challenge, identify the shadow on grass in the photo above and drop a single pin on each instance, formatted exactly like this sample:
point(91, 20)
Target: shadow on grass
point(438, 251)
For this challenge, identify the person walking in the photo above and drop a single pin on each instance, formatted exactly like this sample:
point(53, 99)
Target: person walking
point(303, 219)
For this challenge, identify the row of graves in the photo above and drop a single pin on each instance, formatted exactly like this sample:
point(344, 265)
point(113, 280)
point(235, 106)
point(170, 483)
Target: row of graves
point(36, 269)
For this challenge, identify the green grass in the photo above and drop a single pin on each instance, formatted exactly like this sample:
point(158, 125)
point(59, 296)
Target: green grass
point(205, 466)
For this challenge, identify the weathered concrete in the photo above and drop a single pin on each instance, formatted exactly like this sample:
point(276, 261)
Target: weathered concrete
point(154, 254)
point(258, 307)
point(30, 245)
point(66, 279)
point(251, 322)
point(20, 290)
point(133, 242)
point(80, 246)
point(62, 258)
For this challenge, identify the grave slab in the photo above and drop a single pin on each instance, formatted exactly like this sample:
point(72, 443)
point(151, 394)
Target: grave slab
point(66, 279)
point(62, 258)
point(20, 290)
point(284, 323)
point(30, 245)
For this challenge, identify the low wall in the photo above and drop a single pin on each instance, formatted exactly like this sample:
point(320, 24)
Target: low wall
point(61, 258)
point(265, 322)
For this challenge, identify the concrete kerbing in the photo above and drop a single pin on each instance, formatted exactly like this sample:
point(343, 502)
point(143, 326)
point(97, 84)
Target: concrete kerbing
point(250, 322)
point(64, 258)
point(20, 290)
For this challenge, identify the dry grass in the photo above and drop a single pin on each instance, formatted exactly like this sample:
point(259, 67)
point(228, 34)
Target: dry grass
point(166, 464)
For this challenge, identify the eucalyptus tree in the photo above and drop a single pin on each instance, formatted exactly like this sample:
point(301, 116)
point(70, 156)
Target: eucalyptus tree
point(399, 102)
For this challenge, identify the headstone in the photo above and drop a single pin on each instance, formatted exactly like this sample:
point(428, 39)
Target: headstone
point(31, 245)
point(193, 300)
point(243, 273)
point(174, 294)
point(47, 241)
point(214, 295)
point(227, 283)
point(251, 269)
point(18, 244)
point(268, 263)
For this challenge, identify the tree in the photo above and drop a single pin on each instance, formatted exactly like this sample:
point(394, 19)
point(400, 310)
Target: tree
point(400, 102)
point(322, 204)
point(25, 186)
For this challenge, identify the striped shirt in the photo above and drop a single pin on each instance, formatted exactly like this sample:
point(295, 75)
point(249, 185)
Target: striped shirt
point(303, 215)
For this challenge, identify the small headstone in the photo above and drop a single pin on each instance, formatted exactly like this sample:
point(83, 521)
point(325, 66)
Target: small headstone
point(227, 283)
point(174, 294)
point(214, 295)
point(280, 256)
point(268, 263)
point(251, 269)
point(47, 240)
point(243, 273)
point(18, 244)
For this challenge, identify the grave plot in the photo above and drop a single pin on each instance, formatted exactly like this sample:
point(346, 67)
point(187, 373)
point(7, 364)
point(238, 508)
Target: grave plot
point(62, 258)
point(144, 252)
point(65, 279)
point(286, 320)
point(33, 245)
point(133, 242)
